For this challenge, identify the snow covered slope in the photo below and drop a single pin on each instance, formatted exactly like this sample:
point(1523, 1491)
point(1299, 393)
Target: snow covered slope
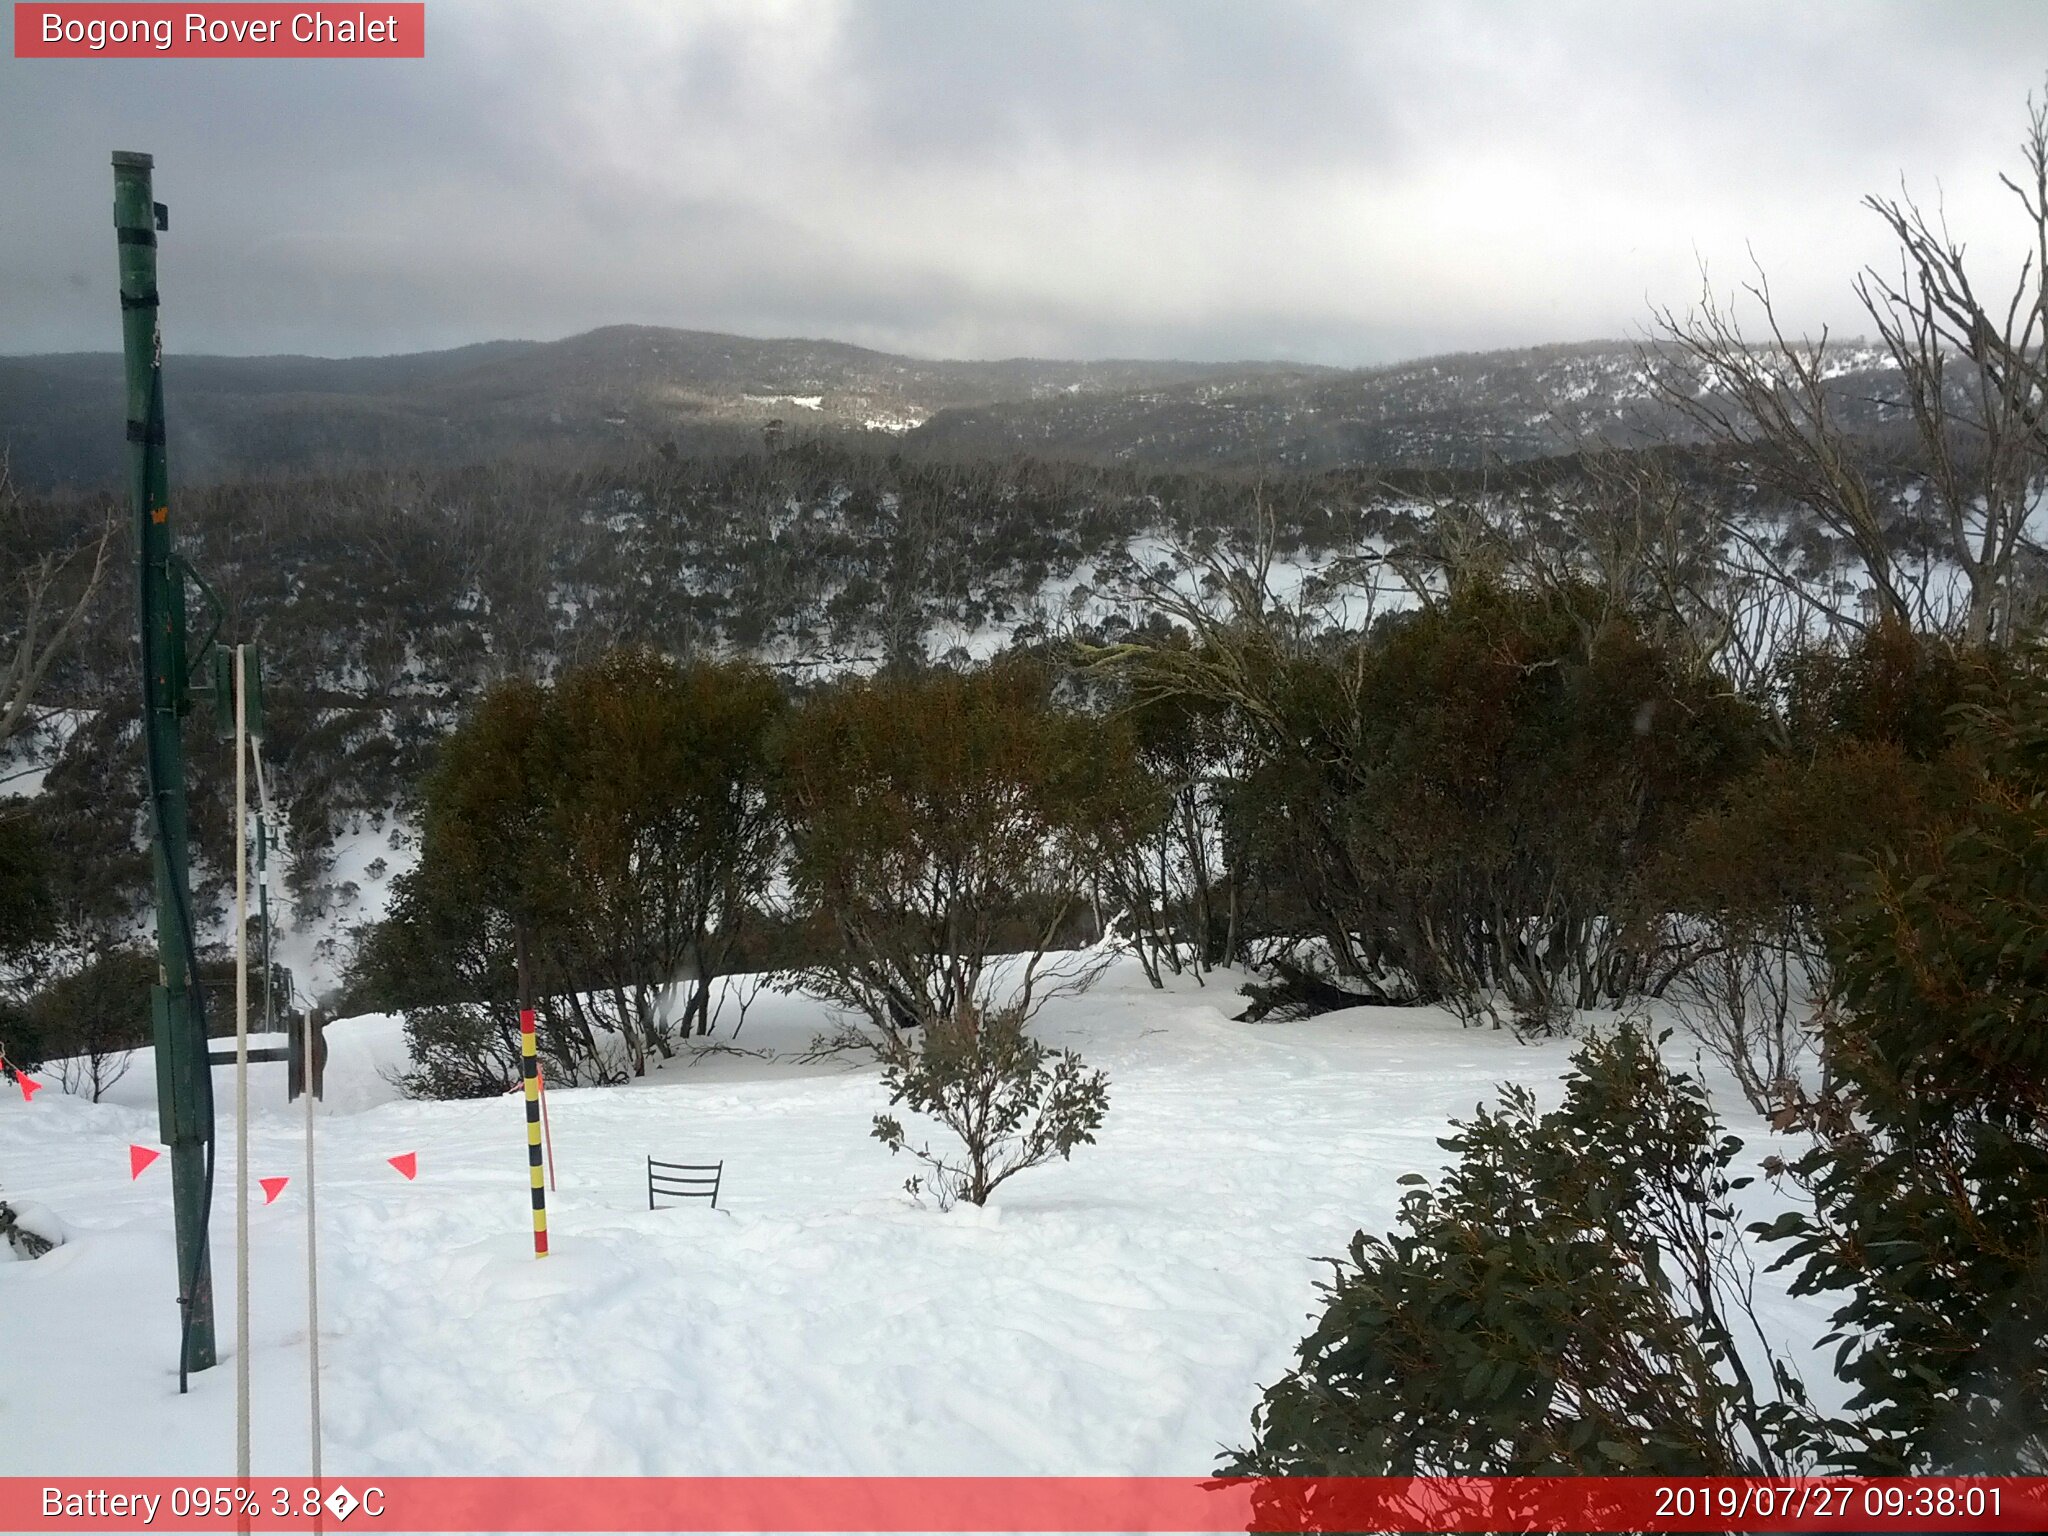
point(1115, 1315)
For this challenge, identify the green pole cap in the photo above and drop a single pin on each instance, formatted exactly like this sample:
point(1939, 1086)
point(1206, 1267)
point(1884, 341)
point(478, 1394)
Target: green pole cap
point(131, 159)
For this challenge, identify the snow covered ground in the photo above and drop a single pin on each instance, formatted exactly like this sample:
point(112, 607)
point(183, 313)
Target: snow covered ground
point(1117, 1315)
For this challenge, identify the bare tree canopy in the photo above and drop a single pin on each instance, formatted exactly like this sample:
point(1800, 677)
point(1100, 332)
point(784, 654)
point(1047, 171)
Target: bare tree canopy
point(46, 599)
point(1969, 385)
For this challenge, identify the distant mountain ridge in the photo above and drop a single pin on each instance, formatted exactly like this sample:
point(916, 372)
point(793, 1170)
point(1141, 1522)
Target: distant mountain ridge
point(621, 386)
point(1459, 410)
point(632, 388)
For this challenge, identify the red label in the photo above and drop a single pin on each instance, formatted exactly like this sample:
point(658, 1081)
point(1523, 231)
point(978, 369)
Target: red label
point(1225, 1507)
point(146, 31)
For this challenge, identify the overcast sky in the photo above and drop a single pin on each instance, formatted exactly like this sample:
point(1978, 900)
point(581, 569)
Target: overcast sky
point(1343, 183)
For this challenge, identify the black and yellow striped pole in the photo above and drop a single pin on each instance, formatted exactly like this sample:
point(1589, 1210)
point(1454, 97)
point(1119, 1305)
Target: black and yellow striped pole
point(529, 1063)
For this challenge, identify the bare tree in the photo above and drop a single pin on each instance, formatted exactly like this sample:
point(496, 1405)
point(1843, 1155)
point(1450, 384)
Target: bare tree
point(48, 600)
point(1771, 403)
point(91, 1018)
point(1973, 381)
point(1751, 995)
point(1656, 544)
point(1623, 534)
point(1971, 385)
point(97, 1069)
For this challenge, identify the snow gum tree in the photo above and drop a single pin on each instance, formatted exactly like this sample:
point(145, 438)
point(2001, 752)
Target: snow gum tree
point(946, 831)
point(49, 591)
point(1966, 348)
point(587, 848)
point(665, 829)
point(1454, 804)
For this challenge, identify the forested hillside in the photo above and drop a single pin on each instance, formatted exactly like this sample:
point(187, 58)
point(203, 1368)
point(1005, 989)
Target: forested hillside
point(387, 602)
point(619, 390)
point(627, 390)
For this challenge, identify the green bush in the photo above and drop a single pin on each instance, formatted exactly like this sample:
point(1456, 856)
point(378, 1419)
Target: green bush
point(1013, 1102)
point(1464, 798)
point(1571, 1298)
point(461, 1051)
point(1931, 1195)
point(27, 912)
point(599, 847)
point(1892, 686)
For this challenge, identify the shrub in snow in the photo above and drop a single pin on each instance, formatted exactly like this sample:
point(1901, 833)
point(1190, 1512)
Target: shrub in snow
point(91, 1021)
point(1931, 1194)
point(472, 1051)
point(460, 1051)
point(1751, 886)
point(1013, 1102)
point(1572, 1297)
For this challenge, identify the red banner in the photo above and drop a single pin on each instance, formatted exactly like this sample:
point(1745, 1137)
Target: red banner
point(1016, 1504)
point(240, 31)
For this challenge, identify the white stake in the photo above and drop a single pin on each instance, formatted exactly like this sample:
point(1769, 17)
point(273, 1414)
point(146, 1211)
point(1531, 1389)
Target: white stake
point(307, 1045)
point(241, 1067)
point(309, 1035)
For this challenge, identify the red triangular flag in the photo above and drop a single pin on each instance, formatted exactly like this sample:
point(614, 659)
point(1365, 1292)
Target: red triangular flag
point(272, 1188)
point(29, 1086)
point(407, 1163)
point(140, 1158)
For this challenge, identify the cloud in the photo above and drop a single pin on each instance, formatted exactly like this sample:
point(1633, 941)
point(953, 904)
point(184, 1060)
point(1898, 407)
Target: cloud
point(1337, 182)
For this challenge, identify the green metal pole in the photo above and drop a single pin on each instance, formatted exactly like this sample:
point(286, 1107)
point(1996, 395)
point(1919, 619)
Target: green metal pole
point(184, 1079)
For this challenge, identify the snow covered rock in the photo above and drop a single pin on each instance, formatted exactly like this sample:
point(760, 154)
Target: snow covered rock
point(30, 1230)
